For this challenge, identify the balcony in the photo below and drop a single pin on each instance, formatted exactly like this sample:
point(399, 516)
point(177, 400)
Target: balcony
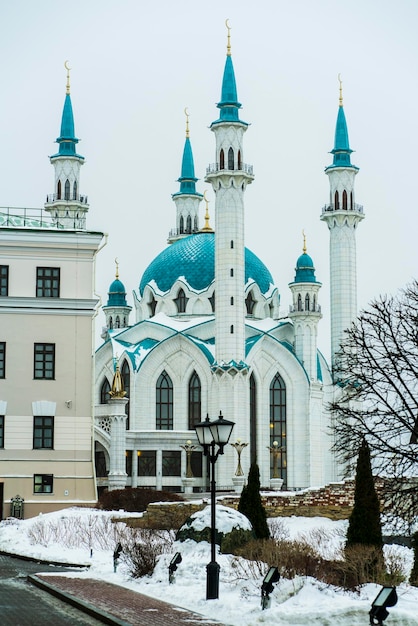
point(53, 197)
point(18, 217)
point(330, 208)
point(214, 168)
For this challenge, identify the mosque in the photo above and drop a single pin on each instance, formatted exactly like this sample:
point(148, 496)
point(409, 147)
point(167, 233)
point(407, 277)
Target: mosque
point(208, 337)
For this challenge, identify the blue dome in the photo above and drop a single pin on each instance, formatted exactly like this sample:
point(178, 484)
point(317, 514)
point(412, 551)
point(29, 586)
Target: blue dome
point(194, 259)
point(305, 270)
point(117, 294)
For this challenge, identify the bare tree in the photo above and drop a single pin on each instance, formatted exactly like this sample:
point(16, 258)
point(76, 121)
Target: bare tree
point(376, 374)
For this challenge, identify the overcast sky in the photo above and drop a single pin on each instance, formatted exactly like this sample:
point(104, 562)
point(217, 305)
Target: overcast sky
point(137, 64)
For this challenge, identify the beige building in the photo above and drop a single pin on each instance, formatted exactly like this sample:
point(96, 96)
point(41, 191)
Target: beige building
point(47, 261)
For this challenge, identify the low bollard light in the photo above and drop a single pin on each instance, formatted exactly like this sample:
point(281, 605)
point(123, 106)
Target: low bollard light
point(270, 578)
point(116, 556)
point(173, 566)
point(387, 596)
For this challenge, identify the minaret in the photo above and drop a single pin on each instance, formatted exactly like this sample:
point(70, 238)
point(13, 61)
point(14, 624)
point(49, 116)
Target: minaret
point(229, 177)
point(342, 216)
point(305, 312)
point(187, 199)
point(66, 205)
point(117, 309)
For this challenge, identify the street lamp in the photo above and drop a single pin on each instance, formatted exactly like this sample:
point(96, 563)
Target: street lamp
point(211, 434)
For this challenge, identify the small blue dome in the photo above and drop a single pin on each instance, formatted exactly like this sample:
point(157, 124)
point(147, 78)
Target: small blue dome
point(194, 259)
point(305, 270)
point(117, 294)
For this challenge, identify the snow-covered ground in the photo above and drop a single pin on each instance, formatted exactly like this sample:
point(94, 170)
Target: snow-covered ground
point(302, 601)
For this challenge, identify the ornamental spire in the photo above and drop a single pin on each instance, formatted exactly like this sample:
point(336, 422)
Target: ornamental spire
point(68, 77)
point(341, 90)
point(228, 44)
point(304, 249)
point(206, 228)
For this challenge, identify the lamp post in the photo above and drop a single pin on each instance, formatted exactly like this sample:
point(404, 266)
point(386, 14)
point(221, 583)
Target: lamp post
point(209, 435)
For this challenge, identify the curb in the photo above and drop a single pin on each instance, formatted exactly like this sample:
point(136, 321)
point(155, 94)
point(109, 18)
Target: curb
point(32, 559)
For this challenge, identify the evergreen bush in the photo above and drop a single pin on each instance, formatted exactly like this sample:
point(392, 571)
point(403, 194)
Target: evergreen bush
point(413, 579)
point(251, 506)
point(134, 499)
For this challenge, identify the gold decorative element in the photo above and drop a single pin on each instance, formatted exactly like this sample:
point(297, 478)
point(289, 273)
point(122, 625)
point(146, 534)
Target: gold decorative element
point(186, 113)
point(304, 249)
point(117, 391)
point(206, 228)
point(189, 447)
point(117, 268)
point(341, 89)
point(228, 45)
point(239, 447)
point(67, 67)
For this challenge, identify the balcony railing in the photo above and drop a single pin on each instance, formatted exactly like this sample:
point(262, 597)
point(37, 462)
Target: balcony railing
point(302, 309)
point(53, 197)
point(329, 208)
point(213, 168)
point(19, 217)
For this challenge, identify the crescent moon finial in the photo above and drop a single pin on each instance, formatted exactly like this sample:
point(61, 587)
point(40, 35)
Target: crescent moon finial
point(186, 113)
point(228, 45)
point(341, 89)
point(67, 67)
point(304, 249)
point(117, 268)
point(206, 228)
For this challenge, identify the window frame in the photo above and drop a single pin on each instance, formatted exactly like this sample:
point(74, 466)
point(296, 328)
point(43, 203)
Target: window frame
point(46, 480)
point(164, 402)
point(2, 423)
point(2, 359)
point(48, 279)
point(43, 350)
point(45, 439)
point(4, 280)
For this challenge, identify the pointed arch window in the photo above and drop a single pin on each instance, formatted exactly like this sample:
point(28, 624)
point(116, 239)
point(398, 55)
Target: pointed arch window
point(104, 391)
point(110, 322)
point(253, 419)
point(351, 201)
point(345, 200)
point(164, 402)
point(117, 322)
point(195, 223)
point(75, 190)
point(230, 159)
point(181, 225)
point(181, 301)
point(67, 190)
point(307, 302)
point(59, 190)
point(336, 201)
point(152, 306)
point(189, 225)
point(300, 302)
point(239, 160)
point(314, 303)
point(195, 401)
point(278, 424)
point(250, 303)
point(125, 373)
point(222, 160)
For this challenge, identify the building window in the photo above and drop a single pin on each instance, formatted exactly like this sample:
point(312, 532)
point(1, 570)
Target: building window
point(104, 391)
point(196, 462)
point(231, 330)
point(250, 303)
point(299, 302)
point(239, 160)
point(222, 160)
point(43, 483)
point(147, 465)
point(164, 402)
point(230, 159)
point(128, 462)
point(44, 361)
point(195, 400)
point(307, 302)
point(152, 306)
point(189, 225)
point(47, 282)
point(4, 280)
point(345, 200)
point(278, 423)
point(67, 190)
point(231, 271)
point(171, 463)
point(2, 359)
point(232, 300)
point(59, 190)
point(43, 432)
point(1, 431)
point(125, 372)
point(181, 301)
point(75, 190)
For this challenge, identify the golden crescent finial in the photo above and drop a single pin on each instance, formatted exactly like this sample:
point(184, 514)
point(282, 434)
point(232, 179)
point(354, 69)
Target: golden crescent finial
point(186, 113)
point(206, 228)
point(117, 268)
point(304, 249)
point(228, 45)
point(67, 67)
point(341, 89)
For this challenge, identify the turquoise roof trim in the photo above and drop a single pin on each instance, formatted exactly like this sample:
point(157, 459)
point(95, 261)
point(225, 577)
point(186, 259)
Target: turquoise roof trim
point(341, 150)
point(67, 140)
point(187, 179)
point(229, 105)
point(193, 259)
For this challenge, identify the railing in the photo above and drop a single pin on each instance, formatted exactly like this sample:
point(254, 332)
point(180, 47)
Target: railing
point(175, 232)
point(213, 168)
point(301, 309)
point(18, 217)
point(329, 208)
point(53, 197)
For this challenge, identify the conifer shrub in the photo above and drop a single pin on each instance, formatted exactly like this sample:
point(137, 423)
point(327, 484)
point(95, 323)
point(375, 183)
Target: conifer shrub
point(136, 499)
point(413, 579)
point(251, 506)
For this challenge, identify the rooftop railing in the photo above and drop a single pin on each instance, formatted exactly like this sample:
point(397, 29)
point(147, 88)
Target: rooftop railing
point(329, 208)
point(20, 217)
point(53, 197)
point(213, 168)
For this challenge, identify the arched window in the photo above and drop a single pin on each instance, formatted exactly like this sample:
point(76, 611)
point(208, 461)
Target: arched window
point(232, 300)
point(314, 303)
point(125, 373)
point(59, 190)
point(195, 399)
point(232, 329)
point(307, 302)
point(300, 302)
point(221, 160)
point(278, 424)
point(345, 200)
point(250, 303)
point(110, 322)
point(336, 201)
point(231, 271)
point(189, 225)
point(75, 190)
point(232, 244)
point(230, 159)
point(104, 391)
point(117, 322)
point(253, 419)
point(195, 223)
point(164, 402)
point(181, 301)
point(181, 225)
point(239, 160)
point(351, 200)
point(67, 190)
point(152, 306)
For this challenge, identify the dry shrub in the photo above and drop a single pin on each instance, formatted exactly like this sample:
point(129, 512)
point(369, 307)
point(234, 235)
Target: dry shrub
point(142, 549)
point(134, 500)
point(292, 558)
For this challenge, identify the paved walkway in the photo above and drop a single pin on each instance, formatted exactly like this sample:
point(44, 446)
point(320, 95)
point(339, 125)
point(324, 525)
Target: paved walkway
point(116, 605)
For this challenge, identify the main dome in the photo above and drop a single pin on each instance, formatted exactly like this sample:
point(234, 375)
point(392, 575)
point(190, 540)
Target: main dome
point(193, 258)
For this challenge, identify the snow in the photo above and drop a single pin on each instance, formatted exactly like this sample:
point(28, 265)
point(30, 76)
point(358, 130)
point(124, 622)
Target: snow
point(296, 602)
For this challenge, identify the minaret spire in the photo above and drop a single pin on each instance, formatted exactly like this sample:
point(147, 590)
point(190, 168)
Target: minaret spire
point(228, 45)
point(342, 216)
point(68, 77)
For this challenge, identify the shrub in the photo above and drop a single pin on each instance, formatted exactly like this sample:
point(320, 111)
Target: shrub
point(142, 549)
point(251, 506)
point(413, 580)
point(134, 499)
point(236, 539)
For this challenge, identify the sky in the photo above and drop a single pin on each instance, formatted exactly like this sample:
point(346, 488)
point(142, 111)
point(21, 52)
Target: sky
point(137, 64)
point(296, 602)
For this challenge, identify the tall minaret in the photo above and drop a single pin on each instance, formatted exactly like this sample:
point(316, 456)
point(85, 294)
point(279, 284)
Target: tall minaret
point(306, 312)
point(342, 216)
point(229, 177)
point(187, 199)
point(66, 205)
